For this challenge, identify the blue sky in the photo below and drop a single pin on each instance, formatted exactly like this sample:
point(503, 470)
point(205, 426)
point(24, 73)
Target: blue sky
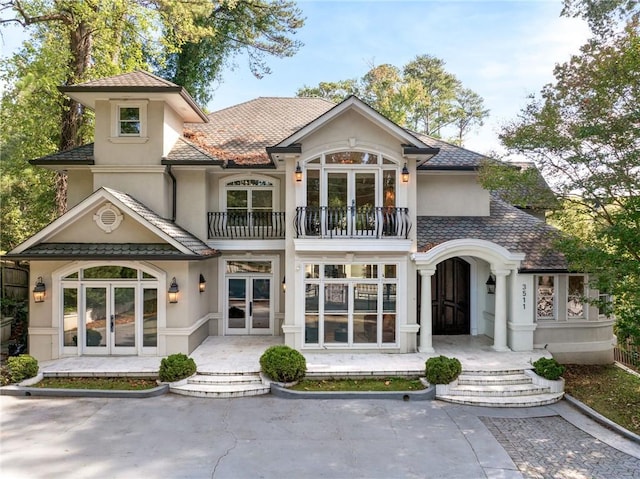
point(504, 50)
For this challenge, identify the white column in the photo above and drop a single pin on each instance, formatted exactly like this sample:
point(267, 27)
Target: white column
point(426, 336)
point(500, 319)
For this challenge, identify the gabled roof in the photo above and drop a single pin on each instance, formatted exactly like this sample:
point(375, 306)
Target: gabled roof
point(507, 226)
point(354, 103)
point(136, 85)
point(178, 243)
point(81, 155)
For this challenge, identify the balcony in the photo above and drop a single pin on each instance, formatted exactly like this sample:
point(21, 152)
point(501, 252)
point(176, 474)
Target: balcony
point(246, 225)
point(352, 222)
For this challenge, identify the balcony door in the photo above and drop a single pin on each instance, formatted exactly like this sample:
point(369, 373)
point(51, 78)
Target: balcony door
point(351, 198)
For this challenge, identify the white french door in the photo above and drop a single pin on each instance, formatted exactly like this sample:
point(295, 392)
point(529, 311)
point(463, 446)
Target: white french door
point(109, 312)
point(351, 197)
point(249, 305)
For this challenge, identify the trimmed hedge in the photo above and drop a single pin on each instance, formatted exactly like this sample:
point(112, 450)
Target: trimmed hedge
point(442, 370)
point(176, 367)
point(283, 364)
point(548, 368)
point(22, 367)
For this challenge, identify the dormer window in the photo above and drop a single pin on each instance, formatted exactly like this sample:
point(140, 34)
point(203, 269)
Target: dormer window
point(129, 122)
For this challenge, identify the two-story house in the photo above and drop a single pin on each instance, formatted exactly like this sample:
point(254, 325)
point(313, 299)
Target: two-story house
point(326, 224)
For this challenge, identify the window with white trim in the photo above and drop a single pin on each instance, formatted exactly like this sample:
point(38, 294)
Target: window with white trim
point(351, 304)
point(129, 121)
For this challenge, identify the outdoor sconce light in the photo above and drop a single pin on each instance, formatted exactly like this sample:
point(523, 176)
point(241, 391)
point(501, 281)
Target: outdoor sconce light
point(298, 173)
point(202, 285)
point(405, 174)
point(173, 291)
point(39, 291)
point(284, 284)
point(491, 285)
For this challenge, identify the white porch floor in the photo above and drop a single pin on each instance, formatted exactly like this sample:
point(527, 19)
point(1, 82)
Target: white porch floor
point(225, 354)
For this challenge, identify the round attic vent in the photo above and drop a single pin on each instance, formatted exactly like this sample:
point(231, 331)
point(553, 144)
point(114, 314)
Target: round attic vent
point(108, 218)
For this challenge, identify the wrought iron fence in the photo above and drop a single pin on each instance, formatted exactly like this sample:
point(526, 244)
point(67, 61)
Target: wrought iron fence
point(628, 354)
point(352, 222)
point(246, 224)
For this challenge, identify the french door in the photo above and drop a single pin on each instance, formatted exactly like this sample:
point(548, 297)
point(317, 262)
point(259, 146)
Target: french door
point(249, 305)
point(351, 198)
point(110, 325)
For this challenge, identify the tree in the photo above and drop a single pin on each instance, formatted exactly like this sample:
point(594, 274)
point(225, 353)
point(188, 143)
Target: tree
point(583, 132)
point(257, 27)
point(422, 96)
point(103, 38)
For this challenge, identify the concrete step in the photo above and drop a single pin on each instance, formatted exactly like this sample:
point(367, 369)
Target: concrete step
point(494, 379)
point(221, 390)
point(515, 401)
point(509, 390)
point(226, 379)
point(490, 372)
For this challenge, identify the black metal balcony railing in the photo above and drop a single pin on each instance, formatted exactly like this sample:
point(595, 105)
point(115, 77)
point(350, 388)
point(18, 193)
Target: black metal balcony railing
point(247, 225)
point(352, 222)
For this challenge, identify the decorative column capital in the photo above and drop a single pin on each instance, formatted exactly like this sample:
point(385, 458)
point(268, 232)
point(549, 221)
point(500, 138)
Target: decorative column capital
point(425, 273)
point(501, 271)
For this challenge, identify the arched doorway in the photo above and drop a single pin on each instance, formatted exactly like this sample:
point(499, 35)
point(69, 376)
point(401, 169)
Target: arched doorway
point(451, 297)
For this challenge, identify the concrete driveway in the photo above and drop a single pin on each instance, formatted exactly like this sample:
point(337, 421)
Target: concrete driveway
point(266, 437)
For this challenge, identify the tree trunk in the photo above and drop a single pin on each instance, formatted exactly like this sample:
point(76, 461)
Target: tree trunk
point(80, 42)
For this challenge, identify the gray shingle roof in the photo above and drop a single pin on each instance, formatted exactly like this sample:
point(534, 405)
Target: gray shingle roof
point(186, 152)
point(186, 239)
point(137, 78)
point(242, 132)
point(81, 155)
point(450, 156)
point(51, 251)
point(506, 226)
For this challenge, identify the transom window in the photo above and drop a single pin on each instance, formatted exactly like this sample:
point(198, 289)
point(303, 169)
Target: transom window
point(350, 304)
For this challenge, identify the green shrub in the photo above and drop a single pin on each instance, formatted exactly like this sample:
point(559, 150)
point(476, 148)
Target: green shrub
point(283, 364)
point(22, 367)
point(442, 370)
point(548, 368)
point(176, 367)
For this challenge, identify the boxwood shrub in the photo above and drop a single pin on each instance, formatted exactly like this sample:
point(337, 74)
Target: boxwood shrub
point(283, 364)
point(442, 370)
point(548, 368)
point(22, 367)
point(176, 367)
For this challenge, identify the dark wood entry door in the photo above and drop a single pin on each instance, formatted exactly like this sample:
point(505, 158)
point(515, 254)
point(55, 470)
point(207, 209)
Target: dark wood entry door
point(450, 294)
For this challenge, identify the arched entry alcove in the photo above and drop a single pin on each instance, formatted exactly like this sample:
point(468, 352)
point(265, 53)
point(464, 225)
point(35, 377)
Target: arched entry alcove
point(501, 263)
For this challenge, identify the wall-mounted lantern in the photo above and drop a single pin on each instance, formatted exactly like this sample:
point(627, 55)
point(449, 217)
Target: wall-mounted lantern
point(405, 174)
point(173, 291)
point(202, 284)
point(491, 285)
point(40, 291)
point(298, 173)
point(284, 284)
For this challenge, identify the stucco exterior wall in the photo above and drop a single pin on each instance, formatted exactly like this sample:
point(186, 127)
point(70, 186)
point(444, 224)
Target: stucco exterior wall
point(85, 230)
point(192, 198)
point(581, 342)
point(172, 129)
point(136, 151)
point(79, 186)
point(451, 194)
point(151, 187)
point(351, 124)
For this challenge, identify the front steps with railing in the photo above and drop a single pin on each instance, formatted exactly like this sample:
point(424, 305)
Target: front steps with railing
point(503, 388)
point(222, 385)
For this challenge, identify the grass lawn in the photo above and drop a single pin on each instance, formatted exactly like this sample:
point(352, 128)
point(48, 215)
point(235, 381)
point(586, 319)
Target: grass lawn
point(369, 384)
point(612, 392)
point(118, 383)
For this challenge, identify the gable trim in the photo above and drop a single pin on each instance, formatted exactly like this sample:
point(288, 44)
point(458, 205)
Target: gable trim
point(85, 206)
point(354, 103)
